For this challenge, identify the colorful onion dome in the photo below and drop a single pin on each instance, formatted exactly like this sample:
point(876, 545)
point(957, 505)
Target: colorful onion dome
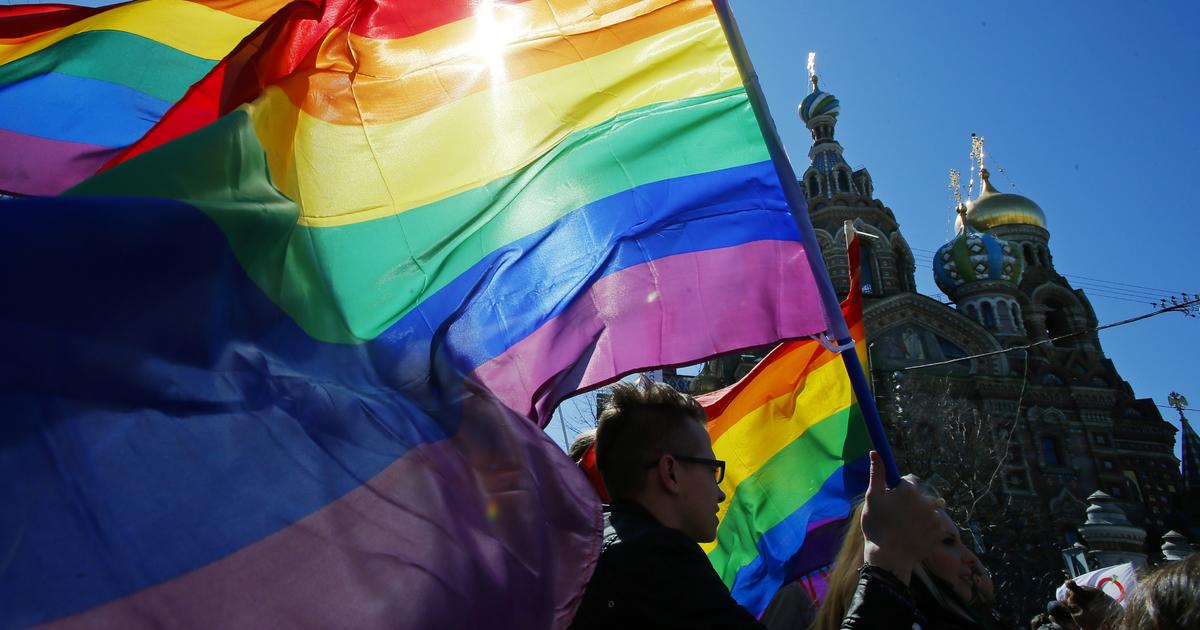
point(971, 257)
point(993, 209)
point(818, 103)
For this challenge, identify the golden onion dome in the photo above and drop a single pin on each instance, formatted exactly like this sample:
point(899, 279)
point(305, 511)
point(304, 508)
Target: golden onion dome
point(992, 209)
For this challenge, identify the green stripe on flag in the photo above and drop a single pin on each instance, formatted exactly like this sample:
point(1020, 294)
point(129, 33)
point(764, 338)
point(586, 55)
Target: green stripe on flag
point(133, 61)
point(375, 272)
point(783, 485)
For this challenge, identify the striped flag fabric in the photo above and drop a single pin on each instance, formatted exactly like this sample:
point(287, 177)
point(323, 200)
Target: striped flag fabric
point(286, 361)
point(796, 451)
point(80, 84)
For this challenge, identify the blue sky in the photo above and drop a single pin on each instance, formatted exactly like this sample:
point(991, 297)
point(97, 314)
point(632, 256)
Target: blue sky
point(1089, 108)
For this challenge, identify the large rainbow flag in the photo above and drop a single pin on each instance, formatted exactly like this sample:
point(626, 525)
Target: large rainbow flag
point(80, 84)
point(796, 450)
point(280, 370)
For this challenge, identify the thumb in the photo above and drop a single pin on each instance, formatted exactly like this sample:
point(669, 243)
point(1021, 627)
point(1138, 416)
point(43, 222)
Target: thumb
point(878, 482)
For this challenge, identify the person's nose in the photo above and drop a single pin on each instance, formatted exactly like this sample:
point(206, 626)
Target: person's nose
point(720, 494)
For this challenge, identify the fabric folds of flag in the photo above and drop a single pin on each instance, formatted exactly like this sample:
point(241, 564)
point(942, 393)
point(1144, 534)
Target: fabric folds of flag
point(277, 364)
point(796, 453)
point(79, 84)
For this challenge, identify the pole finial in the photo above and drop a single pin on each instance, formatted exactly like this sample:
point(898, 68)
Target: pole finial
point(976, 157)
point(812, 69)
point(1179, 402)
point(956, 187)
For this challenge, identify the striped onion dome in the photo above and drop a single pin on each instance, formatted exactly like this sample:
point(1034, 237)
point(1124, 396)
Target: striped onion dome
point(971, 257)
point(818, 103)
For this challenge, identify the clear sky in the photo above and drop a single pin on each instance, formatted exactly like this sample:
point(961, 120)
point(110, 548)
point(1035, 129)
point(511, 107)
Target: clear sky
point(1090, 109)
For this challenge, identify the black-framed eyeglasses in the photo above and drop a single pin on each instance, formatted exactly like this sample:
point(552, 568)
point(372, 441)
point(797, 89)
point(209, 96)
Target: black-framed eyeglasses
point(718, 465)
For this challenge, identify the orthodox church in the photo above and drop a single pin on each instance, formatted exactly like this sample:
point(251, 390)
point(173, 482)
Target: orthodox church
point(1071, 424)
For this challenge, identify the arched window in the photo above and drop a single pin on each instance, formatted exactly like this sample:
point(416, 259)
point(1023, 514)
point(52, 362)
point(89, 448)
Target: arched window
point(1029, 257)
point(1058, 321)
point(843, 182)
point(1004, 315)
point(1016, 316)
point(813, 188)
point(1043, 257)
point(989, 315)
point(972, 312)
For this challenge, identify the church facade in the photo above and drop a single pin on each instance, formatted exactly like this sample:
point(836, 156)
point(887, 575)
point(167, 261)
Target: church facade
point(1069, 424)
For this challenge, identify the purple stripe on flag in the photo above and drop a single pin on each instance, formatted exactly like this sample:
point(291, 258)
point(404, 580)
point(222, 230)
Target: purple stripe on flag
point(30, 165)
point(668, 311)
point(464, 532)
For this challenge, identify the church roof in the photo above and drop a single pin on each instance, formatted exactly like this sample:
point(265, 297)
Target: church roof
point(825, 161)
point(819, 103)
point(992, 209)
point(973, 256)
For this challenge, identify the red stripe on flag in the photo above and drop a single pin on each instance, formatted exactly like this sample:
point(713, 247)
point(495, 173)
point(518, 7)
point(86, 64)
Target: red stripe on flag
point(283, 45)
point(27, 20)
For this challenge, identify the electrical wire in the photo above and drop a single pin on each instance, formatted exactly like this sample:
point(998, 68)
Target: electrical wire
point(1187, 308)
point(1094, 287)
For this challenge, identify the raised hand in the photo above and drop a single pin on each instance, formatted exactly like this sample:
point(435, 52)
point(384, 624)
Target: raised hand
point(899, 525)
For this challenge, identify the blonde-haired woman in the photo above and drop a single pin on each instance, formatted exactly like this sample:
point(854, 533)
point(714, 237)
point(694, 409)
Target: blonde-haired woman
point(902, 562)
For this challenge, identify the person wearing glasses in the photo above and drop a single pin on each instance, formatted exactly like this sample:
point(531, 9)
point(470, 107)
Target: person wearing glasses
point(657, 461)
point(654, 453)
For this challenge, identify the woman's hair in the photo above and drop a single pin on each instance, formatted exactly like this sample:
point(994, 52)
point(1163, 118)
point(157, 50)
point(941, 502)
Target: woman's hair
point(1166, 599)
point(843, 579)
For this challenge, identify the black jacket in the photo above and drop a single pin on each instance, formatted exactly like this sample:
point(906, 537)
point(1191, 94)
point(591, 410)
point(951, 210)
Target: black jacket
point(650, 576)
point(885, 603)
point(882, 602)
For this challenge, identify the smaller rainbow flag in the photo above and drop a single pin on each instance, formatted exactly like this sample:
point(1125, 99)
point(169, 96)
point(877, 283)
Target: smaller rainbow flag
point(79, 84)
point(796, 451)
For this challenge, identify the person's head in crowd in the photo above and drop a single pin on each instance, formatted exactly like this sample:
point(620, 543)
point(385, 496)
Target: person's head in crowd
point(1090, 607)
point(1168, 598)
point(653, 449)
point(581, 444)
point(951, 564)
point(1059, 613)
point(985, 590)
point(583, 451)
point(945, 578)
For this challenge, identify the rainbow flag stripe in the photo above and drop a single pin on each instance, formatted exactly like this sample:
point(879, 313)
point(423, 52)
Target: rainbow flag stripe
point(326, 293)
point(551, 141)
point(79, 84)
point(795, 448)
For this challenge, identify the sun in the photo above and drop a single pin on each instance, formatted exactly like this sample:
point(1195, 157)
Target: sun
point(497, 25)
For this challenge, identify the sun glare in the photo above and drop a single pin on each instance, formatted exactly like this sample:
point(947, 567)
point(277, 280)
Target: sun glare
point(496, 27)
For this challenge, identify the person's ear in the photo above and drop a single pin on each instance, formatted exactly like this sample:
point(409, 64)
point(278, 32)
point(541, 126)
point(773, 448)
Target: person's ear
point(668, 470)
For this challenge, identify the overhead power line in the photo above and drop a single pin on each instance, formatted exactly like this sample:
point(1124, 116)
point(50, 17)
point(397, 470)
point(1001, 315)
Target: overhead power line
point(1123, 291)
point(1189, 308)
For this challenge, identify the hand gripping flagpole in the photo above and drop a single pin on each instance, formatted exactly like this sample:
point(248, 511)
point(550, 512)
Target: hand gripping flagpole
point(791, 190)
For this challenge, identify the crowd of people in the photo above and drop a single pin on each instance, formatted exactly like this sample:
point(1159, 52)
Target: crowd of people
point(902, 564)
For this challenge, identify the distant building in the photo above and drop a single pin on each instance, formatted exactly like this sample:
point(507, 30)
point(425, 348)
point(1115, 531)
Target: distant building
point(1080, 428)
